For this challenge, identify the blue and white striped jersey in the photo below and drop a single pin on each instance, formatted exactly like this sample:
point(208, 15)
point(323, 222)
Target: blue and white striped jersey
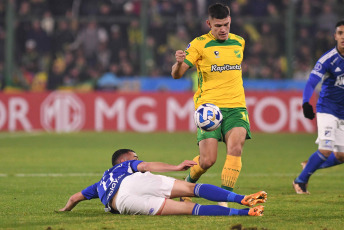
point(330, 69)
point(112, 178)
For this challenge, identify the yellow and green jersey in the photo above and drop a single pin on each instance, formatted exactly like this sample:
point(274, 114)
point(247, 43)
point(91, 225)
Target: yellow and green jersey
point(218, 66)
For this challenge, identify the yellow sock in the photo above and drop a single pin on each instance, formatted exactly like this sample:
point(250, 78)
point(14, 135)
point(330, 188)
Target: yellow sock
point(230, 172)
point(195, 171)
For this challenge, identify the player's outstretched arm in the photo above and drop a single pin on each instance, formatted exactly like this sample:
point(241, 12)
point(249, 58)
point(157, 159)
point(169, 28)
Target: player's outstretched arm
point(179, 68)
point(312, 82)
point(163, 167)
point(73, 201)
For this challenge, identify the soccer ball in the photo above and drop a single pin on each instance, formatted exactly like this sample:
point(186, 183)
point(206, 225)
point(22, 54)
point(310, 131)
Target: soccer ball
point(208, 117)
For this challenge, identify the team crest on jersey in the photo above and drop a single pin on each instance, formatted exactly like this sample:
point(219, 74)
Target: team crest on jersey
point(216, 54)
point(317, 67)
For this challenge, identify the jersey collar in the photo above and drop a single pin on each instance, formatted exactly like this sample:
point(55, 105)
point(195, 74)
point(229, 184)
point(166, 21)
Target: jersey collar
point(212, 36)
point(339, 53)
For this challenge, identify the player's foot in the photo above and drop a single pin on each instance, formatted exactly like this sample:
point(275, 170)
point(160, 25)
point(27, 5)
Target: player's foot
point(300, 188)
point(303, 164)
point(185, 199)
point(256, 211)
point(223, 204)
point(253, 199)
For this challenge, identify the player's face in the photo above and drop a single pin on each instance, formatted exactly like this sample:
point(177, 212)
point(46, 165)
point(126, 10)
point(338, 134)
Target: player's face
point(219, 27)
point(339, 36)
point(133, 156)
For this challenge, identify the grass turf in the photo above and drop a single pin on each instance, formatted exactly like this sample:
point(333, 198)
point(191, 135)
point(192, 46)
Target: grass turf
point(39, 171)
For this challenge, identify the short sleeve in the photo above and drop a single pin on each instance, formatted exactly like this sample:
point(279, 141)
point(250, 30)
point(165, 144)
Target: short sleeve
point(90, 192)
point(134, 165)
point(192, 53)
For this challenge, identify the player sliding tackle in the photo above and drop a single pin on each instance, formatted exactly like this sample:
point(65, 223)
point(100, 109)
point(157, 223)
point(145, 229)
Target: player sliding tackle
point(129, 188)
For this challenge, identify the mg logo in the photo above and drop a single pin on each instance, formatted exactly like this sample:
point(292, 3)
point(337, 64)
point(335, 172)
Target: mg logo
point(62, 112)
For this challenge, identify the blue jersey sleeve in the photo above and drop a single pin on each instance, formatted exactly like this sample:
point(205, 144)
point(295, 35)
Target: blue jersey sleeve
point(90, 192)
point(134, 165)
point(310, 86)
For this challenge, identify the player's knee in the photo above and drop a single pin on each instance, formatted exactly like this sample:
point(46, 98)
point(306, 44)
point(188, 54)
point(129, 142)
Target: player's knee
point(235, 151)
point(340, 155)
point(324, 152)
point(206, 162)
point(326, 147)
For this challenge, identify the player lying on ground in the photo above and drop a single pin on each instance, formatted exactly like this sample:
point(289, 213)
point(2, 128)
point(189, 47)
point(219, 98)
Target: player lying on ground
point(129, 188)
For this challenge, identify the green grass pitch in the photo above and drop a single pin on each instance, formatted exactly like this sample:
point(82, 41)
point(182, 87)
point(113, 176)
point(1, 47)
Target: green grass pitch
point(39, 171)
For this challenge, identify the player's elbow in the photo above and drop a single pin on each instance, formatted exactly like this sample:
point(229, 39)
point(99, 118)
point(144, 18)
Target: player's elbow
point(143, 167)
point(77, 197)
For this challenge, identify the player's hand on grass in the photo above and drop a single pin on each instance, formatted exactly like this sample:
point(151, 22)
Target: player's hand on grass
point(185, 165)
point(180, 56)
point(308, 110)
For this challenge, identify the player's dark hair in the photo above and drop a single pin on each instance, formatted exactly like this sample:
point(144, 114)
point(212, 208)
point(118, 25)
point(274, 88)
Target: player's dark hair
point(218, 11)
point(340, 23)
point(119, 153)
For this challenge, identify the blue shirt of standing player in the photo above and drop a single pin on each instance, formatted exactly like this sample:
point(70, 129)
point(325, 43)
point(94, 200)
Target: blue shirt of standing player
point(330, 69)
point(112, 178)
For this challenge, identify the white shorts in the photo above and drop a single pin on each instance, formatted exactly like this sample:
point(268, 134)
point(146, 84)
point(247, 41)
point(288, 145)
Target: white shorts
point(330, 132)
point(143, 193)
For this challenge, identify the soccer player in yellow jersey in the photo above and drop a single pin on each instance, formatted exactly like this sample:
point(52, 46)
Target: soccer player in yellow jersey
point(217, 57)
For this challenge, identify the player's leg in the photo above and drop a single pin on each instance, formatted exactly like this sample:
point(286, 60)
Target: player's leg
point(208, 142)
point(207, 157)
point(326, 139)
point(235, 129)
point(337, 156)
point(334, 159)
point(172, 207)
point(214, 193)
point(235, 139)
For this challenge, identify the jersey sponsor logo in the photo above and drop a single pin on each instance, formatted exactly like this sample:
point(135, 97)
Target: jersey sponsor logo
point(225, 67)
point(317, 67)
point(340, 81)
point(113, 185)
point(337, 69)
point(216, 54)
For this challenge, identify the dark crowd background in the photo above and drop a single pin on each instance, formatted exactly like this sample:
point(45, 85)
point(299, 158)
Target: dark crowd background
point(90, 45)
